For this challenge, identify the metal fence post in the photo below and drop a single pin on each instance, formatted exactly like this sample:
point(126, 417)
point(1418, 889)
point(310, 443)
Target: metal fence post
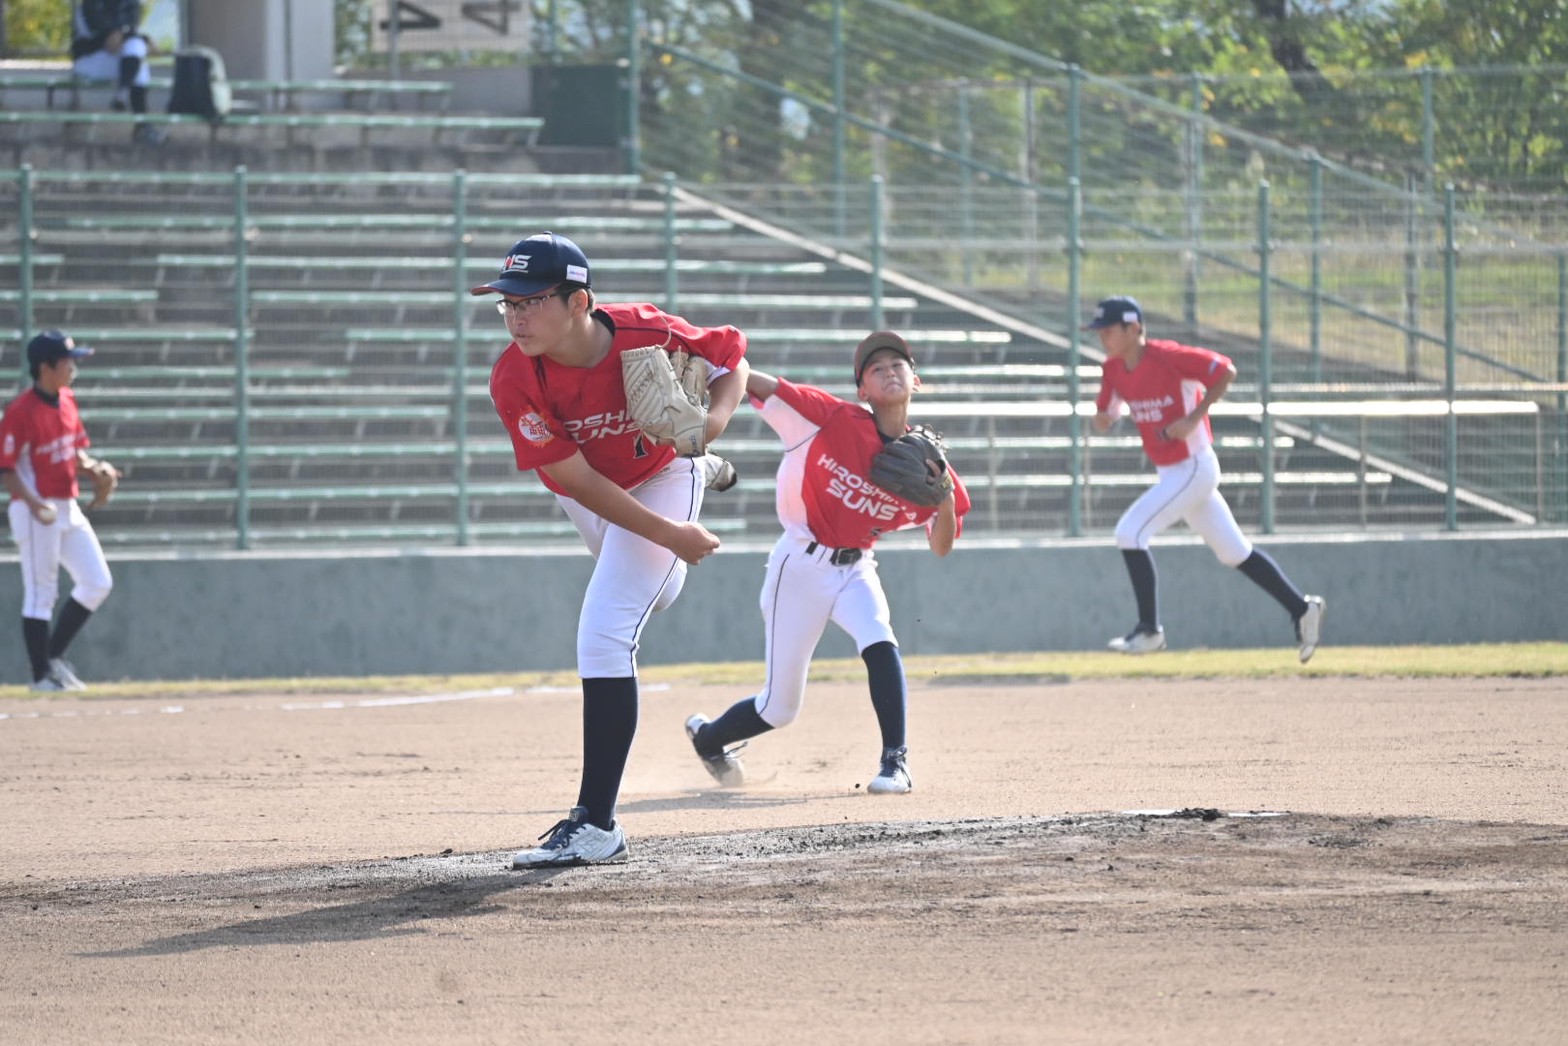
point(1074, 122)
point(1315, 217)
point(1194, 205)
point(1412, 314)
point(966, 183)
point(241, 362)
point(877, 234)
point(1265, 359)
point(1428, 132)
point(460, 312)
point(1450, 357)
point(1074, 423)
point(840, 126)
point(1562, 379)
point(671, 279)
point(24, 249)
point(633, 93)
point(1031, 194)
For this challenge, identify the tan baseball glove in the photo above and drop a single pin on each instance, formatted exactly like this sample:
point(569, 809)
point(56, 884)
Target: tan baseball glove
point(667, 397)
point(104, 478)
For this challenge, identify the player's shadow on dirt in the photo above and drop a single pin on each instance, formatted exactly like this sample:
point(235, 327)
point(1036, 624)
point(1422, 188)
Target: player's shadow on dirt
point(717, 799)
point(393, 915)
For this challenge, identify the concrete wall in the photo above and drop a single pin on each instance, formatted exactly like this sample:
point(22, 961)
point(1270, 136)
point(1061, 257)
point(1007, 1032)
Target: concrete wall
point(267, 39)
point(247, 615)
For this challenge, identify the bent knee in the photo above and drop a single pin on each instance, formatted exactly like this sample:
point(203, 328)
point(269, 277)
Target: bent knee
point(93, 594)
point(1232, 555)
point(1128, 537)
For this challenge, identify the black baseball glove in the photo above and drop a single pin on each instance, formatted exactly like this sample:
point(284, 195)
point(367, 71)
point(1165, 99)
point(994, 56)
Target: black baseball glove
point(914, 468)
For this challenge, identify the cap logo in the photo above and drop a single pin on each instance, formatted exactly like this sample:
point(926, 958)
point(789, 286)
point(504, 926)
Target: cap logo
point(576, 274)
point(516, 263)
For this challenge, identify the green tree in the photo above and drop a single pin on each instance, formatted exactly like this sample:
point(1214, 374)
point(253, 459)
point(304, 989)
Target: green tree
point(38, 27)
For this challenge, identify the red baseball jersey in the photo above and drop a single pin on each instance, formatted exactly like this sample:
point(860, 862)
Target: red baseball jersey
point(552, 411)
point(1165, 385)
point(39, 440)
point(823, 490)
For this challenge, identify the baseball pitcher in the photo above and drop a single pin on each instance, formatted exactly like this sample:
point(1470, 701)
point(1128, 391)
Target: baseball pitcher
point(630, 477)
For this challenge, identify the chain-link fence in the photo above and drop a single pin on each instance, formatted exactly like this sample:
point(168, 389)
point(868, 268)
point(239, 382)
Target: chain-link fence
point(293, 359)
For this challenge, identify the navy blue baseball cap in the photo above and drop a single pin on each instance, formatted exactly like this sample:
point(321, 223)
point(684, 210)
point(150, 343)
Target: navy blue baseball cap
point(1113, 311)
point(538, 264)
point(51, 345)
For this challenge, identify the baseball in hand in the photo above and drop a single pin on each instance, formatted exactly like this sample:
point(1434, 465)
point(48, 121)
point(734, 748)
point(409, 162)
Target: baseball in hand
point(45, 514)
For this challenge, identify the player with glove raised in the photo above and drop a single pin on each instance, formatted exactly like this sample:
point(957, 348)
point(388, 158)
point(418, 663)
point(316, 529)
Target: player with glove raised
point(560, 390)
point(849, 476)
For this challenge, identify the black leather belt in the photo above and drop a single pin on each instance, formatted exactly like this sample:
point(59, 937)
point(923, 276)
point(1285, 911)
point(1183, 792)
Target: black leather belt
point(840, 557)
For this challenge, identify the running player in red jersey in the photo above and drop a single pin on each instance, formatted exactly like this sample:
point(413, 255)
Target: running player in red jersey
point(42, 444)
point(823, 567)
point(1168, 388)
point(558, 391)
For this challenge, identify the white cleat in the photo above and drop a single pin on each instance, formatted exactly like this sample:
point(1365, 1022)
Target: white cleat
point(1309, 626)
point(47, 683)
point(725, 767)
point(574, 841)
point(893, 776)
point(719, 474)
point(61, 672)
point(1139, 641)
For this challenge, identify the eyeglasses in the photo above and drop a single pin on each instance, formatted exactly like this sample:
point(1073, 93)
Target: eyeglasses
point(523, 306)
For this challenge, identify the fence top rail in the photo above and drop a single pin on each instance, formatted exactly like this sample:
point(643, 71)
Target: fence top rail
point(525, 179)
point(66, 77)
point(692, 265)
point(436, 121)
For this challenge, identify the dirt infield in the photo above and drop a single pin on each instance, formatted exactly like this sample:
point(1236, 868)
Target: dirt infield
point(1353, 862)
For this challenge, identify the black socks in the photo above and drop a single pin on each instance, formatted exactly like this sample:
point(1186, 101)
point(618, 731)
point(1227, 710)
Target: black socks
point(609, 724)
point(72, 617)
point(738, 723)
point(35, 634)
point(885, 674)
point(1145, 586)
point(1261, 569)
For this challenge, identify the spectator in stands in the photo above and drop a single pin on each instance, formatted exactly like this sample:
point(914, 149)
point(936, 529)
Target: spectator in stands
point(107, 45)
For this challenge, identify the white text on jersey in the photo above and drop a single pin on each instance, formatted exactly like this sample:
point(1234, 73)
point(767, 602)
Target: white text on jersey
point(598, 426)
point(857, 493)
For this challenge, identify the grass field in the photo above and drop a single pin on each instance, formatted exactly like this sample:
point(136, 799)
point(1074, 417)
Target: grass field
point(1491, 660)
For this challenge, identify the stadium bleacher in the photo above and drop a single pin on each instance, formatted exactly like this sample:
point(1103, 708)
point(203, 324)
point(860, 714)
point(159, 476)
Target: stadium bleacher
point(355, 321)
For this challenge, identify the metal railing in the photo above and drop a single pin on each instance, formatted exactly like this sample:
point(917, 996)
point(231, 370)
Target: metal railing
point(1381, 420)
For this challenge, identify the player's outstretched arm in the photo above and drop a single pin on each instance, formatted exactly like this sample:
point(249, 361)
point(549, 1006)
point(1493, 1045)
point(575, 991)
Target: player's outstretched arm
point(587, 486)
point(724, 395)
point(761, 385)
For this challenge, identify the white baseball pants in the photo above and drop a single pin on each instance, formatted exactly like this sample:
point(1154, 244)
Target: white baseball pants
point(633, 577)
point(101, 65)
point(1190, 491)
point(44, 548)
point(801, 594)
